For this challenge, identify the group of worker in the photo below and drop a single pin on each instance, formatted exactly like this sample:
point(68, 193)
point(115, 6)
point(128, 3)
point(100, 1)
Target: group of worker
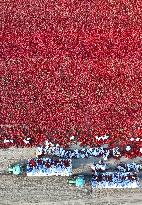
point(132, 146)
point(129, 167)
point(121, 176)
point(47, 166)
point(53, 149)
point(115, 180)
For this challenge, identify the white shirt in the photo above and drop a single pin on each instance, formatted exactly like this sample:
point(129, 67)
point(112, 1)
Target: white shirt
point(72, 137)
point(5, 141)
point(94, 152)
point(128, 148)
point(26, 141)
point(63, 153)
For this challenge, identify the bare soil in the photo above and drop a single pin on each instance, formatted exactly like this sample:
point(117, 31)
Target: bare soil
point(17, 190)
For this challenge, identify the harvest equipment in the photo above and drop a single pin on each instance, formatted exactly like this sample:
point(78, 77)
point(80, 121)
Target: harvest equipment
point(78, 181)
point(15, 169)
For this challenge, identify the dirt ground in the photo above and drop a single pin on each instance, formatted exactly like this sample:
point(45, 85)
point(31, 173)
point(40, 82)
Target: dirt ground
point(17, 190)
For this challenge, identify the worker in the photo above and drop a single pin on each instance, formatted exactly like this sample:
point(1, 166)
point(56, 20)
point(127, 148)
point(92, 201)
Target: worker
point(40, 151)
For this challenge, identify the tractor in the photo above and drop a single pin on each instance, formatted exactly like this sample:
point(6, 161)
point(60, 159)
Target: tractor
point(78, 181)
point(15, 169)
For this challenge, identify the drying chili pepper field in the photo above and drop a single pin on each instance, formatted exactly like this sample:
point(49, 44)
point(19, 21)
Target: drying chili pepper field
point(71, 68)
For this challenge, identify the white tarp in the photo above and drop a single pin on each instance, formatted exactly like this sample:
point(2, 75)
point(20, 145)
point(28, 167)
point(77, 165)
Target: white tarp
point(115, 180)
point(55, 149)
point(83, 153)
point(57, 168)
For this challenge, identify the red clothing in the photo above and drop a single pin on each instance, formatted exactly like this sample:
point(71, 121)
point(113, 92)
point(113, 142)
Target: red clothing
point(32, 163)
point(47, 165)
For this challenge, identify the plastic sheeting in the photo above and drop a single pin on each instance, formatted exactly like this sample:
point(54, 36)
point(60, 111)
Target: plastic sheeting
point(105, 153)
point(49, 167)
point(115, 180)
point(83, 153)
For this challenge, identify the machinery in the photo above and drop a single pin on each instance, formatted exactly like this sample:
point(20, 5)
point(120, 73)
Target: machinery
point(41, 167)
point(15, 169)
point(78, 181)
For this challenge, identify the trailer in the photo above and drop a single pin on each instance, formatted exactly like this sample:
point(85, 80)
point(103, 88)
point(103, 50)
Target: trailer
point(42, 167)
point(115, 180)
point(49, 167)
